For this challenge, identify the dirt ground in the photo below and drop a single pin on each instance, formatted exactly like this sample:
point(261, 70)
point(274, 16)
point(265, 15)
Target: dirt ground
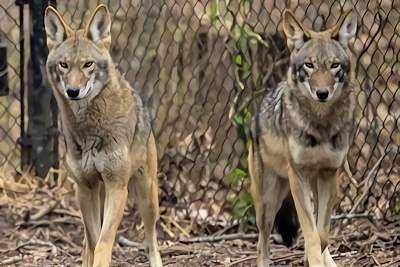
point(43, 228)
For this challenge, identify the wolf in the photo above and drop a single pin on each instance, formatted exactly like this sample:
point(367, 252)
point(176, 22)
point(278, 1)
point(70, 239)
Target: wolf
point(301, 137)
point(108, 135)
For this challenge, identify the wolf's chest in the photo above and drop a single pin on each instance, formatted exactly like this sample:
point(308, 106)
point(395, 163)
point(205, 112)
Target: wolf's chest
point(96, 160)
point(83, 166)
point(86, 155)
point(309, 152)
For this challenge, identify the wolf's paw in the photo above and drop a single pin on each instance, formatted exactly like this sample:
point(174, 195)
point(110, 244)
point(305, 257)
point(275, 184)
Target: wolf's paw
point(155, 259)
point(87, 256)
point(264, 262)
point(328, 261)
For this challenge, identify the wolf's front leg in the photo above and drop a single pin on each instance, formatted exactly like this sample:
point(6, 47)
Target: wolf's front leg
point(115, 201)
point(326, 194)
point(268, 191)
point(300, 187)
point(144, 184)
point(89, 205)
point(147, 199)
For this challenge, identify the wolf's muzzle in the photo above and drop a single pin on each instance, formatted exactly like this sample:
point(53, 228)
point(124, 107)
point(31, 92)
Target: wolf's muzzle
point(73, 92)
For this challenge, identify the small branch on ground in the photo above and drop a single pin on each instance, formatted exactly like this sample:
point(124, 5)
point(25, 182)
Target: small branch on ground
point(52, 205)
point(223, 237)
point(168, 218)
point(344, 254)
point(368, 185)
point(287, 256)
point(252, 257)
point(126, 242)
point(231, 237)
point(68, 220)
point(350, 216)
point(30, 242)
point(11, 260)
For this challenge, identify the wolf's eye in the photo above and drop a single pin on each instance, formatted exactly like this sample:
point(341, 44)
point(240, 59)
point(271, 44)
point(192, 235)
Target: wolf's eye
point(335, 65)
point(64, 65)
point(88, 64)
point(309, 65)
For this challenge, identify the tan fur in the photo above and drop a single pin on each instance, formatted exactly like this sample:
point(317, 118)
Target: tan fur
point(110, 144)
point(300, 142)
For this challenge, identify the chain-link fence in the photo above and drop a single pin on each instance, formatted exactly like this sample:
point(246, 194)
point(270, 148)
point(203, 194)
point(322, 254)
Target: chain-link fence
point(10, 101)
point(201, 67)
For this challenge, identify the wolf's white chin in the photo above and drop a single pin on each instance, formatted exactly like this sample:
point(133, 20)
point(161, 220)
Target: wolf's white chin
point(89, 85)
point(63, 87)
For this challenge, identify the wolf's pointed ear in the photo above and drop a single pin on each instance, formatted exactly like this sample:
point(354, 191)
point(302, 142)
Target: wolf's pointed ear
point(56, 29)
point(295, 31)
point(346, 28)
point(98, 29)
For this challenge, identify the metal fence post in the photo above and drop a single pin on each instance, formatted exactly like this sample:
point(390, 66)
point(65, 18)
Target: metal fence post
point(41, 140)
point(24, 152)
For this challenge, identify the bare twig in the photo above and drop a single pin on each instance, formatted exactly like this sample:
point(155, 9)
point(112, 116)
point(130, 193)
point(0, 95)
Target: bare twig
point(176, 225)
point(242, 260)
point(344, 254)
point(177, 250)
point(367, 185)
point(350, 216)
point(287, 256)
point(375, 260)
point(68, 212)
point(52, 205)
point(70, 220)
point(231, 237)
point(376, 236)
point(11, 260)
point(126, 242)
point(224, 230)
point(349, 174)
point(259, 38)
point(65, 251)
point(224, 237)
point(30, 242)
point(389, 264)
point(168, 231)
point(13, 187)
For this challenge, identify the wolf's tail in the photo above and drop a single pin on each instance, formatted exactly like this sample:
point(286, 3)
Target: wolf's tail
point(287, 222)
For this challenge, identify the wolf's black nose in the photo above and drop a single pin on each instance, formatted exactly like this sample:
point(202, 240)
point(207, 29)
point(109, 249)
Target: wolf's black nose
point(73, 92)
point(322, 94)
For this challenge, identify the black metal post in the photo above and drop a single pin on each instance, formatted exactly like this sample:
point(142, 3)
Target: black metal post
point(42, 134)
point(24, 150)
point(4, 89)
point(22, 67)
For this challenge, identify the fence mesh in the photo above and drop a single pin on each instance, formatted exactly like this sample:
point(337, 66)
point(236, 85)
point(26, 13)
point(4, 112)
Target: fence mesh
point(10, 112)
point(201, 67)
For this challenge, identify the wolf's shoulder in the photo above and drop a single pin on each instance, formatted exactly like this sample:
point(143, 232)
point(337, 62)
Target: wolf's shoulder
point(143, 120)
point(142, 127)
point(273, 99)
point(272, 110)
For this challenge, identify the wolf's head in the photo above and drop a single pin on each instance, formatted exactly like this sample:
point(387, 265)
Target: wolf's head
point(320, 61)
point(78, 62)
